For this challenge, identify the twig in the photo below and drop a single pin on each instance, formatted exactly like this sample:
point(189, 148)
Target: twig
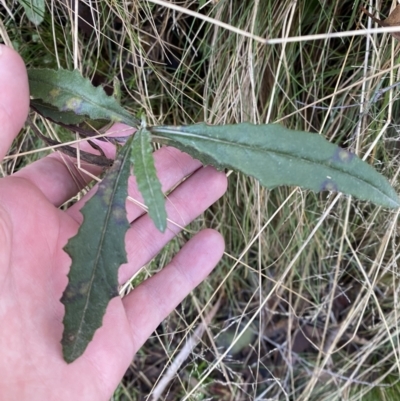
point(100, 161)
point(321, 36)
point(378, 94)
point(186, 350)
point(209, 19)
point(376, 20)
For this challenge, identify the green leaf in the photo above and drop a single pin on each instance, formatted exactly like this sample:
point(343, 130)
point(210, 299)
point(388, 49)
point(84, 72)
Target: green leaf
point(278, 156)
point(54, 114)
point(69, 91)
point(96, 251)
point(146, 177)
point(34, 10)
point(68, 118)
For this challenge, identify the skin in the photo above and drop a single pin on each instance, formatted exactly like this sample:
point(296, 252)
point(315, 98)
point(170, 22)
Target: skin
point(34, 267)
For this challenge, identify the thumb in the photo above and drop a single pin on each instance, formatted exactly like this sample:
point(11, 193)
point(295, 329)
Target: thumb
point(14, 97)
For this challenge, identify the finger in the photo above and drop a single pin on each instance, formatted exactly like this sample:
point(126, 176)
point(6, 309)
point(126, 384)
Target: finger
point(184, 204)
point(172, 166)
point(60, 178)
point(156, 297)
point(14, 97)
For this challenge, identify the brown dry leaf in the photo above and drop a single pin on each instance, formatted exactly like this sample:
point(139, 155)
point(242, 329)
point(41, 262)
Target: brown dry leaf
point(392, 20)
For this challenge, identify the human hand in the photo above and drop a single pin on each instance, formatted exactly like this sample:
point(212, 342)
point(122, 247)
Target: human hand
point(34, 267)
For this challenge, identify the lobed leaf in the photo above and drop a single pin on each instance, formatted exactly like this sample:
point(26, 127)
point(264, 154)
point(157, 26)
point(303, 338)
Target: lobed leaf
point(69, 91)
point(277, 156)
point(34, 9)
point(146, 177)
point(96, 251)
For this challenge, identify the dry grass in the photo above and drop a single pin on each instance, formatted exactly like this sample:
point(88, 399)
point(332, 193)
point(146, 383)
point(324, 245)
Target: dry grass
point(308, 288)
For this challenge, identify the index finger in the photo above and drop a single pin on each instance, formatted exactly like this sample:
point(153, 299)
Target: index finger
point(14, 97)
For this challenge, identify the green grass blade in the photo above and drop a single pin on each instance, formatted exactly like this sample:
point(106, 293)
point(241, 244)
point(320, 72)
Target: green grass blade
point(70, 91)
point(278, 156)
point(96, 251)
point(146, 177)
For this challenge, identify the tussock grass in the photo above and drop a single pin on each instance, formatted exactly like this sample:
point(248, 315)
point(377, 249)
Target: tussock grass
point(309, 283)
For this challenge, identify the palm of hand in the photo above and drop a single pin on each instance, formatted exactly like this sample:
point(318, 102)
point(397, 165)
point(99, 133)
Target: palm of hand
point(32, 279)
point(34, 267)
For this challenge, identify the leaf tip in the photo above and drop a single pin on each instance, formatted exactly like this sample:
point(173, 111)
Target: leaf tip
point(66, 342)
point(162, 225)
point(394, 203)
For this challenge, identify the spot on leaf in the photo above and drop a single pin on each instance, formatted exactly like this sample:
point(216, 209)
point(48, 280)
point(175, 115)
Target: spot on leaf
point(54, 93)
point(118, 215)
point(343, 156)
point(84, 288)
point(77, 291)
point(329, 185)
point(69, 294)
point(74, 104)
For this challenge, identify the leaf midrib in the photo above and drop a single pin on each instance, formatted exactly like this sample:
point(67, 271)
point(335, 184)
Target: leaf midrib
point(107, 219)
point(254, 148)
